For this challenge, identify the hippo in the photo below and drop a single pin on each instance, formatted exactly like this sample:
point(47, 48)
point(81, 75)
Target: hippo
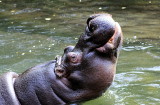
point(84, 72)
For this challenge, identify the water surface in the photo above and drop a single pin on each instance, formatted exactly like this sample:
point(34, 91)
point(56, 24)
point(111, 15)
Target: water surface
point(32, 32)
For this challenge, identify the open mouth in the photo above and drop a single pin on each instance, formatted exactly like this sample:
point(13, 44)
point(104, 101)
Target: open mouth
point(114, 42)
point(110, 40)
point(117, 34)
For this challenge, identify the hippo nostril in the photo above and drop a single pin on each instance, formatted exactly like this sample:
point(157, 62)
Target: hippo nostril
point(89, 19)
point(91, 27)
point(92, 17)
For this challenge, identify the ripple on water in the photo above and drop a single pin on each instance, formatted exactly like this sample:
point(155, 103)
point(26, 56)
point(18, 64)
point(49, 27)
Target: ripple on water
point(27, 10)
point(152, 85)
point(136, 87)
point(156, 68)
point(124, 79)
point(132, 48)
point(153, 55)
point(2, 42)
point(2, 10)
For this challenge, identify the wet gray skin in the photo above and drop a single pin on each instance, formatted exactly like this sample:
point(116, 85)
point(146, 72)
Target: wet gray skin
point(87, 69)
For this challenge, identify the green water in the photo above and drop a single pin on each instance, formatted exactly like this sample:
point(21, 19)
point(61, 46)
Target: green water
point(35, 31)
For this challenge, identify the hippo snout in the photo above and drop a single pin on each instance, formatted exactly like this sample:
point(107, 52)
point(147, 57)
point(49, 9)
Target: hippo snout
point(101, 28)
point(102, 21)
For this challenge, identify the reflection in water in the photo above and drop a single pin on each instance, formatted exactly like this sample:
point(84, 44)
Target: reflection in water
point(32, 32)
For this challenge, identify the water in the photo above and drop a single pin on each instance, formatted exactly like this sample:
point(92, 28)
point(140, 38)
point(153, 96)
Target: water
point(35, 31)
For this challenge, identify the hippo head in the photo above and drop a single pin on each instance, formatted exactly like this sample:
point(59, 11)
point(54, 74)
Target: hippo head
point(89, 68)
point(102, 34)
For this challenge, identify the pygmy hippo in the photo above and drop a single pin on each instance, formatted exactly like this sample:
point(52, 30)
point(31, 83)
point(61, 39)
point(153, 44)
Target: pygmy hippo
point(90, 65)
point(84, 72)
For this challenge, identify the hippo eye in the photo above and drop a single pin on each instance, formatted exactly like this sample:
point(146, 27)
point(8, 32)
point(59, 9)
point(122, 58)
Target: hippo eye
point(73, 59)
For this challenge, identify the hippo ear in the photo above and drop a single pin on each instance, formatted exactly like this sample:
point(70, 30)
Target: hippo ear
point(68, 49)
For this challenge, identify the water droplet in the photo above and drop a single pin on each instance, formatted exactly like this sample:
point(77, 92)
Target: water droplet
point(100, 8)
point(30, 51)
point(47, 19)
point(123, 7)
point(13, 11)
point(23, 54)
point(134, 37)
point(34, 46)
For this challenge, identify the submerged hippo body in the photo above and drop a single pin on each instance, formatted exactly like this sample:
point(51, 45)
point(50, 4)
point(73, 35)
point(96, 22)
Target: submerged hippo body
point(84, 72)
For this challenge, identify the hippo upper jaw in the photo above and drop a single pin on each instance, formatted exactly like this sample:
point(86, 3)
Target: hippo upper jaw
point(100, 28)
